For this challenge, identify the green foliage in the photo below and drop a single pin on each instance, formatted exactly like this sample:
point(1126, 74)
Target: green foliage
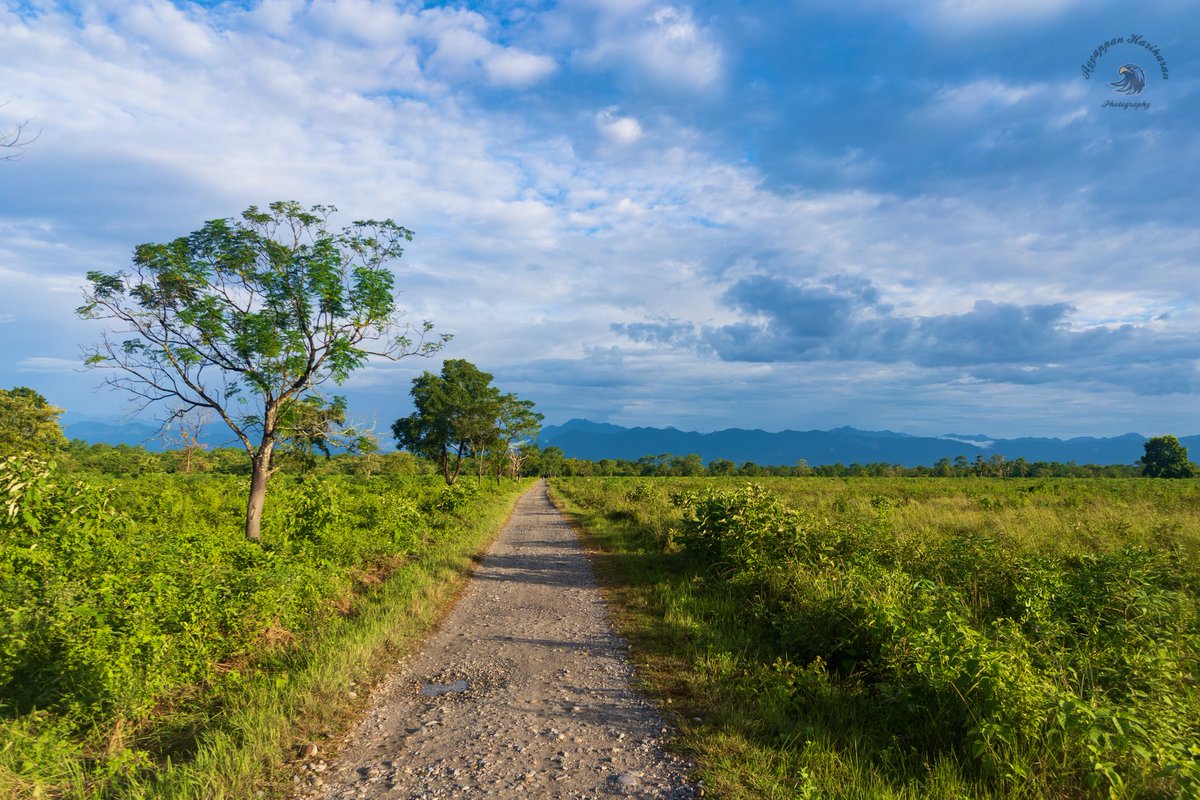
point(123, 600)
point(247, 317)
point(28, 423)
point(1031, 638)
point(455, 414)
point(1166, 458)
point(459, 414)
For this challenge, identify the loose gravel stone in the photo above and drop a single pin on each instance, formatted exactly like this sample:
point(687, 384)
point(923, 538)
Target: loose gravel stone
point(526, 661)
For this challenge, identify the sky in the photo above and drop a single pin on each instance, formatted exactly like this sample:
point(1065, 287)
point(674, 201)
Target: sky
point(927, 217)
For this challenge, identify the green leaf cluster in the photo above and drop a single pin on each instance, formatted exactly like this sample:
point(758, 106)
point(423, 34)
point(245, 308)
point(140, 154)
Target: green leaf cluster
point(28, 423)
point(460, 414)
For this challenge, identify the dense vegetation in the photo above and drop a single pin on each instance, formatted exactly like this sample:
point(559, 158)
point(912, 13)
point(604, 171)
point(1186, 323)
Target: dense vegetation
point(917, 638)
point(553, 461)
point(137, 620)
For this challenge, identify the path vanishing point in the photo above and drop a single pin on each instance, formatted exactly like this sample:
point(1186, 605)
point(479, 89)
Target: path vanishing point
point(522, 691)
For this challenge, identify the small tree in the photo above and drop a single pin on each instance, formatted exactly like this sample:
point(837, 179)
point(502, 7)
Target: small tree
point(185, 427)
point(517, 424)
point(459, 414)
point(1166, 458)
point(553, 460)
point(246, 317)
point(28, 423)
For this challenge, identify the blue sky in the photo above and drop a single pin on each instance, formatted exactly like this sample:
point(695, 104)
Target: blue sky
point(757, 214)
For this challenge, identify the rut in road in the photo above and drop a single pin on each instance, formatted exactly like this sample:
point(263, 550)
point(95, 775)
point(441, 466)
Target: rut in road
point(523, 691)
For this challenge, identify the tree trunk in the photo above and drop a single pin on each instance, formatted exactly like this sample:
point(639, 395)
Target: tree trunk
point(260, 473)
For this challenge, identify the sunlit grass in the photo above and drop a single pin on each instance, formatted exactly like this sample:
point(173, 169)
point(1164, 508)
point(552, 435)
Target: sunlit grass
point(728, 645)
point(352, 573)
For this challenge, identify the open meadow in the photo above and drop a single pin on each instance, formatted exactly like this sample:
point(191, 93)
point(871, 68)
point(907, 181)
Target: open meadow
point(913, 638)
point(150, 650)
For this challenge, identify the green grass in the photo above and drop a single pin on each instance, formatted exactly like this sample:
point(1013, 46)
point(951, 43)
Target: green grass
point(149, 652)
point(914, 638)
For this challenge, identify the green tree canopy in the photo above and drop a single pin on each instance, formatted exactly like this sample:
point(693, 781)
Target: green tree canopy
point(246, 317)
point(1166, 458)
point(453, 409)
point(460, 414)
point(28, 423)
point(517, 428)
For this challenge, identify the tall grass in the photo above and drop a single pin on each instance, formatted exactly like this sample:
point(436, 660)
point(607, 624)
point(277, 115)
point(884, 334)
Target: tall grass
point(909, 638)
point(149, 651)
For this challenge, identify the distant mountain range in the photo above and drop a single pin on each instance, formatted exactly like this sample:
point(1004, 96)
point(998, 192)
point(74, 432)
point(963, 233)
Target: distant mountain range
point(580, 438)
point(145, 434)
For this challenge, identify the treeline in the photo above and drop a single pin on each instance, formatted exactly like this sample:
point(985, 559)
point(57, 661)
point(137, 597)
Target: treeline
point(552, 462)
point(134, 460)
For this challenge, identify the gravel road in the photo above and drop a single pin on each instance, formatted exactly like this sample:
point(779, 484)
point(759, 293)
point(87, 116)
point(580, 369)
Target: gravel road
point(523, 691)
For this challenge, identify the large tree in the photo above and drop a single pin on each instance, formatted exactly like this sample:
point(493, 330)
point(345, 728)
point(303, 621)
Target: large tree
point(1165, 457)
point(248, 317)
point(28, 423)
point(460, 414)
point(454, 417)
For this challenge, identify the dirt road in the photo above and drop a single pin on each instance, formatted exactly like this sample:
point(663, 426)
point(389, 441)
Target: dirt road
point(524, 691)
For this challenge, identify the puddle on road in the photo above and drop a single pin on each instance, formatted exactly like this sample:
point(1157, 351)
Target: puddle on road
point(437, 689)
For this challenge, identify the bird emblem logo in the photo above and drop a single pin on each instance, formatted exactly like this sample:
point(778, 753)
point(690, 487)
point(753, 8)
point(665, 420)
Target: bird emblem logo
point(1132, 81)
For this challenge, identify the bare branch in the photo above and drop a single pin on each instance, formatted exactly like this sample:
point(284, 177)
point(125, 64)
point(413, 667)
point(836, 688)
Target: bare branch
point(13, 141)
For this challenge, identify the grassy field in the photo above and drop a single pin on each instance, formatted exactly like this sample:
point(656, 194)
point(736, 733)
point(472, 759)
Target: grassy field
point(148, 650)
point(914, 638)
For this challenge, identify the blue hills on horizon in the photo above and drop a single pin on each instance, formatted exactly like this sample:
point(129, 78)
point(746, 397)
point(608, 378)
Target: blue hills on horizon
point(142, 434)
point(581, 438)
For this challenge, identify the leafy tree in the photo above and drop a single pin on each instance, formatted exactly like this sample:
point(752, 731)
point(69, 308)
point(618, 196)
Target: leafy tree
point(721, 467)
point(553, 460)
point(28, 423)
point(455, 416)
point(690, 465)
point(460, 414)
point(1166, 458)
point(246, 317)
point(517, 425)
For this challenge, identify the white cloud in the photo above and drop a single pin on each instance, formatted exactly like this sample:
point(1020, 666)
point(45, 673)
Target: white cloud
point(462, 48)
point(529, 244)
point(976, 13)
point(620, 130)
point(164, 25)
point(970, 99)
point(48, 364)
point(511, 67)
point(664, 44)
point(956, 16)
